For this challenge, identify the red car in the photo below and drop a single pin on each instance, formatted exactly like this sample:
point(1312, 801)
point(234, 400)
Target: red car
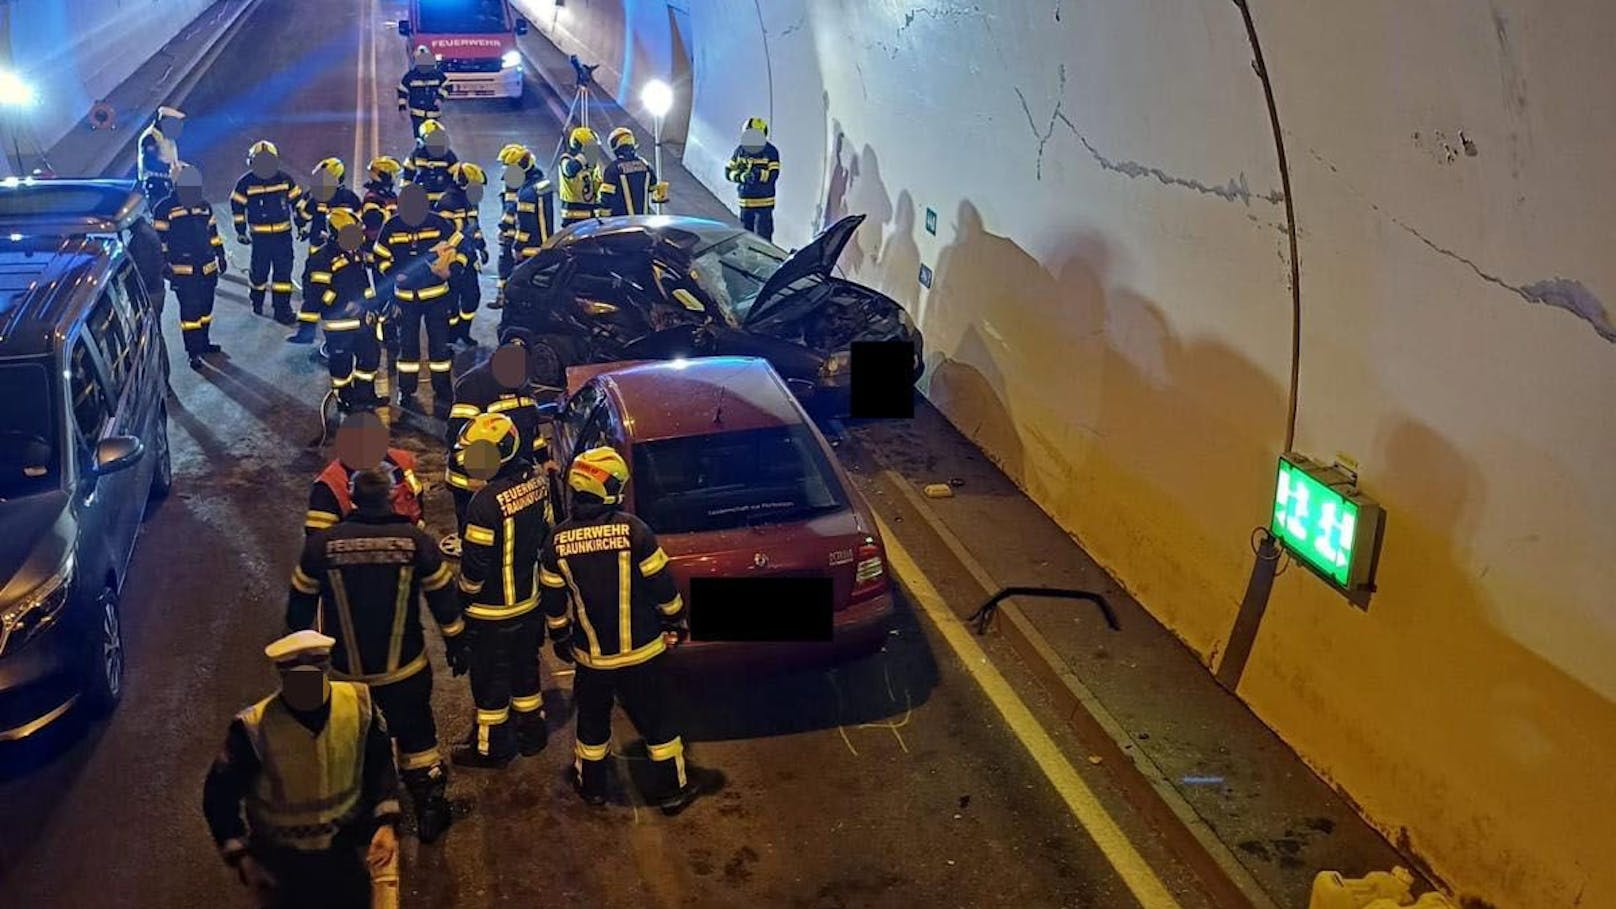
point(737, 482)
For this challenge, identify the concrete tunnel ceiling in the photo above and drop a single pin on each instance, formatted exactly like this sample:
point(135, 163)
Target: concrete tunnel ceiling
point(1109, 318)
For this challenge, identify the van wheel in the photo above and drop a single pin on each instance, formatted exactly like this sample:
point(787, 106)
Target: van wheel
point(546, 364)
point(103, 684)
point(163, 475)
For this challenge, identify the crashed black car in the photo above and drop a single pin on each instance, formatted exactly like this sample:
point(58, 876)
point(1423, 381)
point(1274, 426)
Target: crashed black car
point(656, 287)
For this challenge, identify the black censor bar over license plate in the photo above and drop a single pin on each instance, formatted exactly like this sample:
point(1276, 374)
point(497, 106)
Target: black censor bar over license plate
point(779, 609)
point(883, 380)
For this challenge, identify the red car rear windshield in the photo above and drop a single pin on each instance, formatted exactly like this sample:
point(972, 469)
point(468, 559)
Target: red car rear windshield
point(733, 479)
point(462, 17)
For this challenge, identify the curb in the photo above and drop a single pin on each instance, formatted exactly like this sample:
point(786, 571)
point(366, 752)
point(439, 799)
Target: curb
point(1226, 882)
point(183, 86)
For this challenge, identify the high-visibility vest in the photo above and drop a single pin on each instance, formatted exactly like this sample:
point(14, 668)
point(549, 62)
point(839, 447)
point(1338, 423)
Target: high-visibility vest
point(582, 189)
point(406, 488)
point(309, 785)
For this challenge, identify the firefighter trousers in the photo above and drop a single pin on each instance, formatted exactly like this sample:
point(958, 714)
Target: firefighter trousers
point(353, 354)
point(271, 270)
point(387, 333)
point(415, 122)
point(505, 683)
point(642, 689)
point(407, 707)
point(468, 293)
point(195, 294)
point(759, 221)
point(434, 315)
point(507, 262)
point(336, 878)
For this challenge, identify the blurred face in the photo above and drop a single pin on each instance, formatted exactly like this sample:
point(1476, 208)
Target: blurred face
point(304, 686)
point(362, 442)
point(510, 366)
point(474, 193)
point(412, 204)
point(423, 59)
point(753, 138)
point(171, 127)
point(325, 186)
point(188, 186)
point(437, 142)
point(513, 177)
point(265, 165)
point(350, 237)
point(481, 460)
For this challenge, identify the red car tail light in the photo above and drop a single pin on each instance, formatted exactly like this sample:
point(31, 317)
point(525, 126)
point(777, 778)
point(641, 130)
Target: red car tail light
point(869, 571)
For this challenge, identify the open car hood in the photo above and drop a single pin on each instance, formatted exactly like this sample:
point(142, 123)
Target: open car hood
point(815, 259)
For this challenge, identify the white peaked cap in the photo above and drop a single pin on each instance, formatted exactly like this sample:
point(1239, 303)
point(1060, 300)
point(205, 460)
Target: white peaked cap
point(299, 643)
point(170, 113)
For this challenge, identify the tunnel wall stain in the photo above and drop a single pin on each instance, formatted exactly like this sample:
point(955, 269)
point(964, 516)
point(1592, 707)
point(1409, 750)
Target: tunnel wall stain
point(1109, 321)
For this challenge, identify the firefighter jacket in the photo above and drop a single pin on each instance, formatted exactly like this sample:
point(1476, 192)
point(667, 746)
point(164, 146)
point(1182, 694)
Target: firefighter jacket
point(755, 172)
point(380, 204)
point(310, 213)
point(607, 585)
point(430, 170)
point(463, 215)
point(421, 94)
point(580, 185)
point(361, 582)
point(627, 187)
point(264, 206)
point(534, 219)
point(330, 499)
point(312, 782)
point(317, 268)
point(346, 294)
point(478, 392)
point(190, 238)
point(406, 254)
point(507, 215)
point(506, 523)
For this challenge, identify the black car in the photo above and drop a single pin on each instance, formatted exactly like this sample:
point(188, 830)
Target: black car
point(83, 441)
point(655, 287)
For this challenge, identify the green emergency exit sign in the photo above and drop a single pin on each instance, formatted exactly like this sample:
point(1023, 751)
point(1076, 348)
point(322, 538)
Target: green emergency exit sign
point(1326, 524)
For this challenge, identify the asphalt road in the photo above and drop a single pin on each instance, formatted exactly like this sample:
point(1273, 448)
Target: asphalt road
point(889, 782)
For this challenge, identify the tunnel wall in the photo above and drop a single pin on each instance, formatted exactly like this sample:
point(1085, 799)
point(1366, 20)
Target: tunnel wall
point(76, 51)
point(1110, 321)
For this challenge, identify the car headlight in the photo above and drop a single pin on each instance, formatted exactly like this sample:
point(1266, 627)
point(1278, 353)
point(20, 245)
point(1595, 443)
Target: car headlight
point(21, 621)
point(511, 59)
point(836, 364)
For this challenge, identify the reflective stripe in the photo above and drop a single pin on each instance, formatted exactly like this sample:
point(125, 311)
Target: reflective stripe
point(407, 366)
point(485, 611)
point(493, 717)
point(625, 599)
point(479, 535)
point(440, 365)
point(268, 188)
point(550, 579)
point(313, 318)
point(469, 586)
point(425, 293)
point(671, 751)
point(320, 520)
point(349, 631)
point(386, 678)
point(672, 606)
point(461, 481)
point(508, 564)
point(419, 760)
point(303, 583)
point(579, 614)
point(439, 579)
point(401, 611)
point(453, 629)
point(511, 404)
point(758, 203)
point(282, 287)
point(279, 227)
point(526, 703)
point(591, 752)
point(653, 563)
point(555, 621)
point(208, 268)
point(618, 661)
point(337, 324)
point(464, 410)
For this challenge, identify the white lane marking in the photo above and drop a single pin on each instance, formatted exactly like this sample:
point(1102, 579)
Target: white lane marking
point(375, 104)
point(354, 163)
point(1140, 879)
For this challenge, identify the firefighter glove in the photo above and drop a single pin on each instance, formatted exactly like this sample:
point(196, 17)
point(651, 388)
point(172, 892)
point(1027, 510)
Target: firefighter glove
point(458, 651)
point(675, 633)
point(242, 238)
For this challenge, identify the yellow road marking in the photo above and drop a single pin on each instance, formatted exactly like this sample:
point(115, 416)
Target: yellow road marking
point(1136, 873)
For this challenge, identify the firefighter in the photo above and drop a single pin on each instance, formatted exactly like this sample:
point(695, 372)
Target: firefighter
point(429, 163)
point(497, 385)
point(506, 523)
point(629, 184)
point(418, 253)
point(362, 444)
point(613, 610)
point(422, 90)
point(459, 205)
point(160, 154)
point(328, 192)
point(381, 203)
point(351, 317)
point(312, 764)
point(755, 168)
point(194, 257)
point(534, 219)
point(580, 177)
point(262, 204)
point(519, 166)
point(363, 579)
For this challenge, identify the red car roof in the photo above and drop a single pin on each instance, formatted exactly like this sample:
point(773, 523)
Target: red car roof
point(678, 398)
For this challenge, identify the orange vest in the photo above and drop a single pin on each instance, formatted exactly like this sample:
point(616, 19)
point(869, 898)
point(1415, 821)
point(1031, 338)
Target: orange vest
point(406, 498)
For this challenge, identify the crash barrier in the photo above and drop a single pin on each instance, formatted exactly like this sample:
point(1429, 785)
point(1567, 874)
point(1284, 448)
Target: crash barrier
point(1376, 890)
point(983, 616)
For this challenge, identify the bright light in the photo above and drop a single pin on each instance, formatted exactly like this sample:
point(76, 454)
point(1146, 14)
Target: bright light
point(13, 91)
point(679, 363)
point(15, 238)
point(657, 96)
point(511, 60)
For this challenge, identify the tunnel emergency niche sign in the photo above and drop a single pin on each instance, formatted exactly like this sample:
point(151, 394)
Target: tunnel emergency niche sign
point(1326, 524)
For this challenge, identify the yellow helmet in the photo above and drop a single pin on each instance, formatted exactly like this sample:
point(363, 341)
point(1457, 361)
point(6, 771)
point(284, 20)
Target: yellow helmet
point(262, 145)
point(338, 218)
point(621, 137)
point(385, 164)
point(757, 123)
point(466, 173)
point(430, 127)
point(495, 428)
point(513, 153)
point(600, 472)
point(332, 166)
point(581, 137)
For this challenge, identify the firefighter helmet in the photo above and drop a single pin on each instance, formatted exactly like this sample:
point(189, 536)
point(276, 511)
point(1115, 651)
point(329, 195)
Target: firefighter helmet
point(757, 123)
point(466, 173)
point(580, 138)
point(429, 127)
point(621, 138)
point(516, 155)
point(338, 218)
point(599, 472)
point(385, 166)
point(494, 428)
point(332, 166)
point(262, 145)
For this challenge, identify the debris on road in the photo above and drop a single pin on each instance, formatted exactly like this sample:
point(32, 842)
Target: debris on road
point(938, 491)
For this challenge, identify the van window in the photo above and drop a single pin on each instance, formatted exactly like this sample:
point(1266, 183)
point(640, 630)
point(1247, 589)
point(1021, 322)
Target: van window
point(139, 304)
point(109, 329)
point(91, 405)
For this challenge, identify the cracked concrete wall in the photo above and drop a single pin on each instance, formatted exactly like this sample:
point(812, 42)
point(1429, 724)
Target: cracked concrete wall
point(1109, 320)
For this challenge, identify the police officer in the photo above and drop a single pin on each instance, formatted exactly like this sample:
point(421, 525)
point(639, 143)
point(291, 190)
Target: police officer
point(350, 321)
point(429, 163)
point(363, 579)
point(629, 184)
point(506, 523)
point(362, 444)
point(327, 193)
point(262, 204)
point(755, 168)
point(580, 177)
point(422, 90)
point(312, 764)
point(195, 258)
point(418, 251)
point(160, 154)
point(459, 205)
point(612, 608)
point(381, 203)
point(497, 385)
